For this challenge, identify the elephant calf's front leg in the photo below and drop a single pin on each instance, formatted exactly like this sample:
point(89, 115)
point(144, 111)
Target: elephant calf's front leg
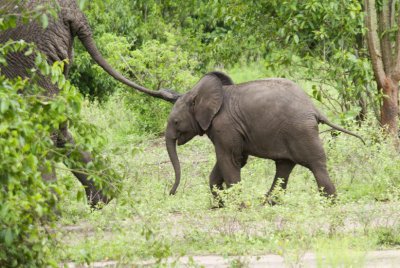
point(229, 167)
point(217, 178)
point(216, 181)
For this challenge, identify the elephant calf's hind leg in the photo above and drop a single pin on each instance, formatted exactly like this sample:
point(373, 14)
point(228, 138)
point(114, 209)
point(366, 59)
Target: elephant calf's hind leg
point(321, 175)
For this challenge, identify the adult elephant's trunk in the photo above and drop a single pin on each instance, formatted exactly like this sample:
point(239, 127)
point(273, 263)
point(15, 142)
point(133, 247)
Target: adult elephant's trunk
point(90, 46)
point(170, 141)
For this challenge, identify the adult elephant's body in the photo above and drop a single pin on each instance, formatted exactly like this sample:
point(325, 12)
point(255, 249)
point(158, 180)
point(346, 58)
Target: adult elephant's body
point(56, 42)
point(271, 118)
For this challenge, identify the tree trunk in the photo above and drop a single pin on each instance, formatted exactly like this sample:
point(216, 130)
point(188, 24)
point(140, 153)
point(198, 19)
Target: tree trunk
point(385, 59)
point(390, 106)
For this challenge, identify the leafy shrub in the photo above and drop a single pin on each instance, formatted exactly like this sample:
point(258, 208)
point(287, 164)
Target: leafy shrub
point(27, 201)
point(387, 236)
point(28, 118)
point(92, 80)
point(367, 171)
point(158, 65)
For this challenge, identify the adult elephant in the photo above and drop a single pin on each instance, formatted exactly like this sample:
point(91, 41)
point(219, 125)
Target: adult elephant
point(56, 42)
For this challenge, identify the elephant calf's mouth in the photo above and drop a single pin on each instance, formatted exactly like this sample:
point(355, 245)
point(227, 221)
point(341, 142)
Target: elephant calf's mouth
point(183, 138)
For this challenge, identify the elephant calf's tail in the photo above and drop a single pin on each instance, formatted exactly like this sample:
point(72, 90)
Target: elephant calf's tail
point(324, 120)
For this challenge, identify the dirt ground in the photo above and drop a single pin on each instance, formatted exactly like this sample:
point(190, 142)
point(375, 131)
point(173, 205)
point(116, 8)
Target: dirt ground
point(378, 259)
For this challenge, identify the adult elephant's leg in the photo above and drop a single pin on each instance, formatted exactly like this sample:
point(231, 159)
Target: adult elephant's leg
point(283, 169)
point(93, 194)
point(48, 175)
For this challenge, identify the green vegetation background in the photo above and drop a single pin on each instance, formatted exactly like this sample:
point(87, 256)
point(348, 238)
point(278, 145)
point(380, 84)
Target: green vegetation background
point(171, 44)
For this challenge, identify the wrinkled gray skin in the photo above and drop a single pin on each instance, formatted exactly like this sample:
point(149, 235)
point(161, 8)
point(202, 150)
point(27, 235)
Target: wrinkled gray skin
point(56, 42)
point(271, 118)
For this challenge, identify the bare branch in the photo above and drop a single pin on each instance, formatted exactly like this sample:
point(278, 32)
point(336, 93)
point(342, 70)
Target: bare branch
point(384, 29)
point(392, 6)
point(396, 71)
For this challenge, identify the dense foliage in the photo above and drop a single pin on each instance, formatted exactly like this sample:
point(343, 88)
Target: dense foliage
point(28, 203)
point(323, 39)
point(29, 194)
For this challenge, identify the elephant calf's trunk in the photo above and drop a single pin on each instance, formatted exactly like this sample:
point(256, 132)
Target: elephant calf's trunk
point(173, 156)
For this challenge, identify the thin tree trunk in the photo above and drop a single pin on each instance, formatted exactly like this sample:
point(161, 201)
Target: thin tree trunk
point(390, 107)
point(374, 45)
point(385, 62)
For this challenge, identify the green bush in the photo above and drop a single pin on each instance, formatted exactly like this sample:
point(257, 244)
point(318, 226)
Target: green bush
point(27, 202)
point(91, 79)
point(158, 65)
point(28, 118)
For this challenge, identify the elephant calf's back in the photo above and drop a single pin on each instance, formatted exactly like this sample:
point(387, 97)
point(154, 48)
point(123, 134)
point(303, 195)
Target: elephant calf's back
point(274, 99)
point(271, 111)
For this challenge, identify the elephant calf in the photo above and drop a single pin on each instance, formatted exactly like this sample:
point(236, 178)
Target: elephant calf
point(270, 118)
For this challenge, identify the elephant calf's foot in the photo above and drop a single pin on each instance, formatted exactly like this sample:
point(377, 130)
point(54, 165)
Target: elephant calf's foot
point(271, 200)
point(331, 198)
point(243, 205)
point(217, 203)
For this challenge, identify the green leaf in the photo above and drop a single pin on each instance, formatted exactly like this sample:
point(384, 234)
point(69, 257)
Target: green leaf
point(11, 22)
point(296, 38)
point(82, 4)
point(39, 210)
point(316, 93)
point(45, 20)
point(80, 195)
point(8, 236)
point(4, 105)
point(28, 52)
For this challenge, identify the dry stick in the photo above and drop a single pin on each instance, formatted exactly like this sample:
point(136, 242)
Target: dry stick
point(328, 98)
point(130, 69)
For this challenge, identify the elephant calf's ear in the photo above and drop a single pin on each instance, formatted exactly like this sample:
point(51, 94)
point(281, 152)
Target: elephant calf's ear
point(208, 100)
